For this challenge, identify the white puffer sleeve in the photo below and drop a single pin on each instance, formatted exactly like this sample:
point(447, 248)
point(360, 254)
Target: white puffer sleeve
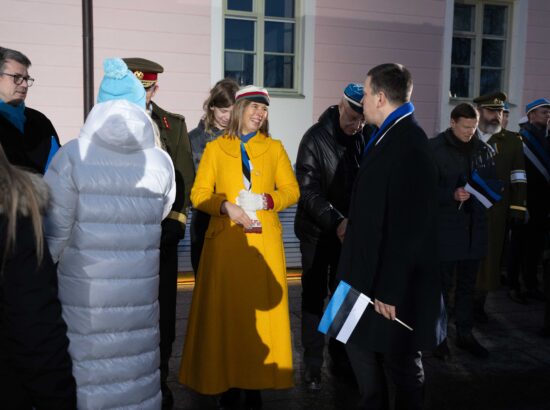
point(60, 216)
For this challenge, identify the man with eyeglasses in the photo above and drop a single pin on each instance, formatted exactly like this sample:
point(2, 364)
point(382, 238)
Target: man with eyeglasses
point(27, 136)
point(328, 161)
point(175, 140)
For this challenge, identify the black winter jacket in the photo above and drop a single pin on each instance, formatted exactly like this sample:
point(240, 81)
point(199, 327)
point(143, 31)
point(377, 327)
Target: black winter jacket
point(462, 233)
point(32, 148)
point(326, 167)
point(35, 367)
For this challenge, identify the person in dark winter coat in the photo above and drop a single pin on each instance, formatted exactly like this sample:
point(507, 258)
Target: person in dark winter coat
point(527, 241)
point(462, 228)
point(326, 166)
point(26, 135)
point(217, 112)
point(35, 366)
point(389, 246)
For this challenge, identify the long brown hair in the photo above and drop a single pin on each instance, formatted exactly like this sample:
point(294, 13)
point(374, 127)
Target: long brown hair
point(222, 95)
point(235, 123)
point(17, 195)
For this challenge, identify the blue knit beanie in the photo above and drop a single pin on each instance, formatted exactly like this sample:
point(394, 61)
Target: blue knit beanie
point(119, 83)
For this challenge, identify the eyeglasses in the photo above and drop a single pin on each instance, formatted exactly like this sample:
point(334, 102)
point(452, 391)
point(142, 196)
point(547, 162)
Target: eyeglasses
point(18, 79)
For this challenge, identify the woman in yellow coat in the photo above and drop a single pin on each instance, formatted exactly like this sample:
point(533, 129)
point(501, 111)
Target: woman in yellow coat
point(238, 334)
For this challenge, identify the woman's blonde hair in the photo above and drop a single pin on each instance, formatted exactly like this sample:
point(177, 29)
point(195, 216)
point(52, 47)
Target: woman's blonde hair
point(17, 195)
point(235, 123)
point(222, 95)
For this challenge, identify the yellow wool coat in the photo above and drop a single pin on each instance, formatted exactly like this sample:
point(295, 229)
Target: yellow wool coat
point(238, 333)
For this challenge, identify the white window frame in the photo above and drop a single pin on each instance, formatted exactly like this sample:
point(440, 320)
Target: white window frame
point(478, 37)
point(258, 16)
point(518, 33)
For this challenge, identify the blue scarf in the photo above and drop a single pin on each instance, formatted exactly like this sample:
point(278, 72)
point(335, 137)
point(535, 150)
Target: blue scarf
point(14, 114)
point(400, 112)
point(246, 160)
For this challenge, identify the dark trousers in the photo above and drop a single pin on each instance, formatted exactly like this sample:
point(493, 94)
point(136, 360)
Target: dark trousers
point(405, 369)
point(526, 246)
point(319, 264)
point(168, 289)
point(199, 225)
point(466, 273)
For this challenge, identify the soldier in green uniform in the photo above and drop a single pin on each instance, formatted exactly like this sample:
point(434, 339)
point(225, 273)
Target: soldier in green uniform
point(175, 140)
point(510, 169)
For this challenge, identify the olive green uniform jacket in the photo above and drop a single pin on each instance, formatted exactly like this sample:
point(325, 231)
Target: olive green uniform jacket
point(173, 133)
point(510, 169)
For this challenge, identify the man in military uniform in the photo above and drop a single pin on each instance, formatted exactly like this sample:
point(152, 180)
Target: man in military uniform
point(173, 133)
point(510, 170)
point(527, 241)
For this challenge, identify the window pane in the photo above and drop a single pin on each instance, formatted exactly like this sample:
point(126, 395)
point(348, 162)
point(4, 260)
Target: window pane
point(279, 8)
point(239, 34)
point(490, 81)
point(279, 71)
point(240, 5)
point(494, 20)
point(279, 37)
point(464, 17)
point(460, 82)
point(492, 53)
point(462, 51)
point(240, 67)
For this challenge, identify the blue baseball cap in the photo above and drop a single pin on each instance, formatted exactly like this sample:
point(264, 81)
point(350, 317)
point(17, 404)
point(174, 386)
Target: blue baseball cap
point(541, 102)
point(353, 94)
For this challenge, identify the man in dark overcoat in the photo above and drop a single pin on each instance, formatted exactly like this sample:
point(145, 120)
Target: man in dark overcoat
point(175, 140)
point(26, 135)
point(389, 249)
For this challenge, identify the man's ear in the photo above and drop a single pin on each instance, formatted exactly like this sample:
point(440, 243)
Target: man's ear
point(154, 90)
point(381, 99)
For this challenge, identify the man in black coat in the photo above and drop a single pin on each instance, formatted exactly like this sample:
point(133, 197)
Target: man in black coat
point(326, 166)
point(462, 227)
point(27, 136)
point(389, 249)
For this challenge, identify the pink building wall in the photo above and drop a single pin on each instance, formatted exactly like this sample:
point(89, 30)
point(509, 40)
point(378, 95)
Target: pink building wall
point(353, 36)
point(537, 53)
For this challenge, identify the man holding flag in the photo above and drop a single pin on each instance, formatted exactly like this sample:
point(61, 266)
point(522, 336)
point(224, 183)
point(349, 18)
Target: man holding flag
point(465, 190)
point(389, 246)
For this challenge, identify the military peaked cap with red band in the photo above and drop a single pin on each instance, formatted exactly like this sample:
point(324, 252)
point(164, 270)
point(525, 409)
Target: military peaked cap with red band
point(253, 93)
point(145, 70)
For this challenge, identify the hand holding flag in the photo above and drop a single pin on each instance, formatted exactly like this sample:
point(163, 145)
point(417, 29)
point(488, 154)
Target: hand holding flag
point(487, 192)
point(345, 309)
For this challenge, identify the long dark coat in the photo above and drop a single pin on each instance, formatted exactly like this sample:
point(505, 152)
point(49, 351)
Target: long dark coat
point(389, 251)
point(462, 228)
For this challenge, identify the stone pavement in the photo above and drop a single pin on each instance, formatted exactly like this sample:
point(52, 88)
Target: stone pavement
point(516, 376)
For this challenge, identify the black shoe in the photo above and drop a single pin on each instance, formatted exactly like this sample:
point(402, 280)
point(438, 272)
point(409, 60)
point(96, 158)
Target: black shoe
point(230, 399)
point(253, 400)
point(167, 397)
point(469, 343)
point(312, 377)
point(517, 296)
point(442, 351)
point(535, 294)
point(545, 332)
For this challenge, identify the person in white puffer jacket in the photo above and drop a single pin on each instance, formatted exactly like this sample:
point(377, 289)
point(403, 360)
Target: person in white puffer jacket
point(111, 188)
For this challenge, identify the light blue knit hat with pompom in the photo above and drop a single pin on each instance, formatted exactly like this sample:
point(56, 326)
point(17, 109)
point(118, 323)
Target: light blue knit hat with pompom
point(119, 83)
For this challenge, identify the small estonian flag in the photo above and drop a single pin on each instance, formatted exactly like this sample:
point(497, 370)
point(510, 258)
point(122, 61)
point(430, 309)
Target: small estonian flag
point(343, 312)
point(481, 190)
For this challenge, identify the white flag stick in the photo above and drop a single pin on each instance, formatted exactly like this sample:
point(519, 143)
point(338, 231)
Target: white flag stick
point(396, 319)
